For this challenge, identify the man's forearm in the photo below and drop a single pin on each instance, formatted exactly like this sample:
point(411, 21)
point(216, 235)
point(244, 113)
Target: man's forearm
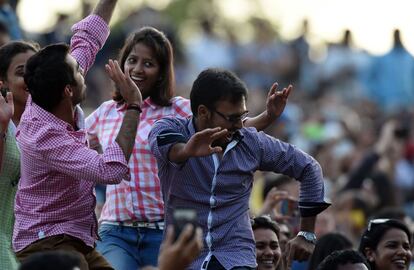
point(128, 132)
point(260, 122)
point(104, 9)
point(307, 224)
point(177, 154)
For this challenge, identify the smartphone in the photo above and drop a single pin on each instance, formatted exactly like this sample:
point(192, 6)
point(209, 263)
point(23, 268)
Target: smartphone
point(182, 217)
point(289, 208)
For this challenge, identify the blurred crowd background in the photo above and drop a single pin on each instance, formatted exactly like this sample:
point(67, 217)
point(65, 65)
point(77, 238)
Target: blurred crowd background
point(351, 109)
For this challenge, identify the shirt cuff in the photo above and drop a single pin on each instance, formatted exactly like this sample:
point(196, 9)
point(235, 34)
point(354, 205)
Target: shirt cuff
point(311, 209)
point(95, 25)
point(114, 153)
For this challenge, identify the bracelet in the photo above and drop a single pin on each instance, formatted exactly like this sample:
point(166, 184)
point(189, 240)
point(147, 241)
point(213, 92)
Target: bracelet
point(135, 107)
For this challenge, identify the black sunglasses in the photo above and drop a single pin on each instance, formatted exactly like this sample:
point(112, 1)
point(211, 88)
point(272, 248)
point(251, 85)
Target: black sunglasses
point(232, 118)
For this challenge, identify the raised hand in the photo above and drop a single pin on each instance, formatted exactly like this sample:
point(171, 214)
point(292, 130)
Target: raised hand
point(178, 255)
point(129, 90)
point(272, 203)
point(276, 100)
point(200, 143)
point(6, 110)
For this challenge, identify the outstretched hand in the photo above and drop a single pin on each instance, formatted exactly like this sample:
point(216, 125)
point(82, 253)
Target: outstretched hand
point(129, 90)
point(276, 100)
point(6, 110)
point(199, 144)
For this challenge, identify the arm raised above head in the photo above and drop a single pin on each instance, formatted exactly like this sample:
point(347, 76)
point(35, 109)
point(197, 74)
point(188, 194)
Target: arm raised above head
point(105, 9)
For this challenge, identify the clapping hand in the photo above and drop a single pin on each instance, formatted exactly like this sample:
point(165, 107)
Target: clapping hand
point(129, 90)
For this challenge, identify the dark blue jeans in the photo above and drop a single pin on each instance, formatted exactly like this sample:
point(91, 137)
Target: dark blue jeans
point(128, 248)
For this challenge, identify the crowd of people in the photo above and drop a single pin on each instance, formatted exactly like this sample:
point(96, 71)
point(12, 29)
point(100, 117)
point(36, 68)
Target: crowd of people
point(203, 133)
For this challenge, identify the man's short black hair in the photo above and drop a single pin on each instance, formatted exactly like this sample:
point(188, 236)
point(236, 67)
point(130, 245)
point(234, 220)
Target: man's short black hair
point(46, 75)
point(342, 257)
point(213, 85)
point(51, 260)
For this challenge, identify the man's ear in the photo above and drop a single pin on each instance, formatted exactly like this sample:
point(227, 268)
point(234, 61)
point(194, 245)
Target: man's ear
point(68, 91)
point(203, 112)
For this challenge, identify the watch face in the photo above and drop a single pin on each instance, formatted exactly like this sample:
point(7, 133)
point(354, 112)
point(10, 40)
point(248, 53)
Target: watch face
point(311, 237)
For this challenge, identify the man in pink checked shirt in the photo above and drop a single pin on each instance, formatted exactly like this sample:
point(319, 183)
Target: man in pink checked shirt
point(55, 203)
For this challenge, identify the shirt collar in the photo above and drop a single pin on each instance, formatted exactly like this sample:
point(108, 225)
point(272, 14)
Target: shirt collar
point(45, 116)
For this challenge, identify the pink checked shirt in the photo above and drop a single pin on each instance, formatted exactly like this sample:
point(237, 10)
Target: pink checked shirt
point(58, 170)
point(140, 199)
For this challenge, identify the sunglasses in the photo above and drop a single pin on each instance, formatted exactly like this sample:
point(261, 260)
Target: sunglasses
point(233, 118)
point(372, 223)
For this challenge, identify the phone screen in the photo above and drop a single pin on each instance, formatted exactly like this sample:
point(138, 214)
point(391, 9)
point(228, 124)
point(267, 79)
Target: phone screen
point(289, 208)
point(183, 216)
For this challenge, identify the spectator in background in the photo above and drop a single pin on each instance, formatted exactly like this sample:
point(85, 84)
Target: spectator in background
point(344, 260)
point(393, 88)
point(326, 245)
point(268, 250)
point(8, 17)
point(386, 244)
point(4, 34)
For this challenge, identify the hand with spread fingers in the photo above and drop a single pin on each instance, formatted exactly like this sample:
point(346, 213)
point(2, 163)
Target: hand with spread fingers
point(277, 100)
point(199, 144)
point(125, 84)
point(179, 255)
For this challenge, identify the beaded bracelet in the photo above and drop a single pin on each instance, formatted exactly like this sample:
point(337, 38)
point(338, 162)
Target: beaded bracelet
point(135, 107)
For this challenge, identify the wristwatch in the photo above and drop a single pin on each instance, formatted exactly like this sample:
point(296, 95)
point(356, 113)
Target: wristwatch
point(309, 236)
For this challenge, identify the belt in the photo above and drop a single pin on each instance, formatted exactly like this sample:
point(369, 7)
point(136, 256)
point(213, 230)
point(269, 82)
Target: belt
point(137, 224)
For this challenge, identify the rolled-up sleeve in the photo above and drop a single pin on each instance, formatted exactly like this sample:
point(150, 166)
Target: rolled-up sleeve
point(163, 135)
point(89, 36)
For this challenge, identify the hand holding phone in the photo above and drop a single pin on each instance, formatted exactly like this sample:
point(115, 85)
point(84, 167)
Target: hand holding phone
point(182, 217)
point(289, 207)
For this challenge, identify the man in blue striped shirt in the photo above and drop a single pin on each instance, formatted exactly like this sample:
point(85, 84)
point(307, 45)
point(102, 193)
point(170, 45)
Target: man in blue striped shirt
point(207, 163)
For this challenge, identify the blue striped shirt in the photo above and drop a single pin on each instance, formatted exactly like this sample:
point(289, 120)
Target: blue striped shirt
point(219, 189)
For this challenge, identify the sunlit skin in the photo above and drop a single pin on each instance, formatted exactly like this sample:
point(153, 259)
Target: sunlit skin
point(268, 252)
point(144, 68)
point(15, 83)
point(79, 89)
point(393, 251)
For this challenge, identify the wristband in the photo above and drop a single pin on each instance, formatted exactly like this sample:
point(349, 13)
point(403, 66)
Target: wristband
point(135, 107)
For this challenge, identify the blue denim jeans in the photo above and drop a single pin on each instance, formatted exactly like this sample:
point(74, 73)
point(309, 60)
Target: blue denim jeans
point(128, 248)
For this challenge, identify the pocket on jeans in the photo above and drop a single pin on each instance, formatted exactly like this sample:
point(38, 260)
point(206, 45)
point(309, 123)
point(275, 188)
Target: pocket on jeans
point(106, 229)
